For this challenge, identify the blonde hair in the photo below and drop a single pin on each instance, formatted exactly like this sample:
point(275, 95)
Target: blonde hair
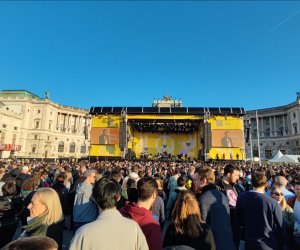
point(50, 199)
point(186, 215)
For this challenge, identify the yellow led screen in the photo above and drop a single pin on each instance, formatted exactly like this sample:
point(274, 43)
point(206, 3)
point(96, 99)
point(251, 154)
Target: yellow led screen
point(173, 144)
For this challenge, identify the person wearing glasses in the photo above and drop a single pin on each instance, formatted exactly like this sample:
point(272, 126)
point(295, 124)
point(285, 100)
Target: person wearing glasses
point(287, 213)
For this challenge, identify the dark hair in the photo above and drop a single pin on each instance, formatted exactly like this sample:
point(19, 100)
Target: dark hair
point(181, 181)
point(33, 242)
point(130, 182)
point(8, 189)
point(28, 185)
point(116, 174)
point(106, 192)
point(146, 187)
point(258, 179)
point(229, 169)
point(61, 178)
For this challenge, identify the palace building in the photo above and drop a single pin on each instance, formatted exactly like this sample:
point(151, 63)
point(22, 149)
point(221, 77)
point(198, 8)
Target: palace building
point(35, 127)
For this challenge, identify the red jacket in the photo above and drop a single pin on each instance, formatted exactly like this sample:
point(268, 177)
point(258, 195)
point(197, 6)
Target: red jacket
point(149, 226)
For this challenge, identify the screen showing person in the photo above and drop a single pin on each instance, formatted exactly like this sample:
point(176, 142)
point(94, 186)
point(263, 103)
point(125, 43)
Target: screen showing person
point(227, 138)
point(104, 137)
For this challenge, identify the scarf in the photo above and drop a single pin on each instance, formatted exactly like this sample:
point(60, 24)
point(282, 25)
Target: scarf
point(36, 226)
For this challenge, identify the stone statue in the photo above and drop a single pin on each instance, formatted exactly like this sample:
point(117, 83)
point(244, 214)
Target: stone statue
point(47, 95)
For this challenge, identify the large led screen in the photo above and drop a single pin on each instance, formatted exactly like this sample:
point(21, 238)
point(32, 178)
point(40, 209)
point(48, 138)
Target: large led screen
point(226, 138)
point(105, 136)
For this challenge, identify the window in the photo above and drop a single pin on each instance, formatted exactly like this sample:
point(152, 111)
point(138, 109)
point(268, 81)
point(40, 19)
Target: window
point(33, 149)
point(4, 125)
point(297, 143)
point(61, 147)
point(37, 124)
point(14, 139)
point(295, 128)
point(50, 124)
point(294, 115)
point(39, 111)
point(2, 138)
point(268, 152)
point(48, 138)
point(255, 151)
point(72, 147)
point(83, 149)
point(15, 128)
point(268, 132)
point(35, 137)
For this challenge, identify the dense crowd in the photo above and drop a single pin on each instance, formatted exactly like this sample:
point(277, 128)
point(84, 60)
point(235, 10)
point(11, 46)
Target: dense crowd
point(153, 205)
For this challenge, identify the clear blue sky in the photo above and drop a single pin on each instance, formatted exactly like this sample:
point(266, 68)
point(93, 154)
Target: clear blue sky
point(214, 54)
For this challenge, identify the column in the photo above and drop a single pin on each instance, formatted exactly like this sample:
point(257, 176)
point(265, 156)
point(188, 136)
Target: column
point(261, 129)
point(271, 127)
point(283, 125)
point(275, 129)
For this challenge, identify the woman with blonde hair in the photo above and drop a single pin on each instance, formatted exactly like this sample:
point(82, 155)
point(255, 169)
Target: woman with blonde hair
point(46, 217)
point(187, 227)
point(287, 212)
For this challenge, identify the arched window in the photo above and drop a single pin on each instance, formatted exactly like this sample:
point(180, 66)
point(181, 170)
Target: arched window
point(268, 152)
point(72, 147)
point(61, 147)
point(255, 151)
point(83, 148)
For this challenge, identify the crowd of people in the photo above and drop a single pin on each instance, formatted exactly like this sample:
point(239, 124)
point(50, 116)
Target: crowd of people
point(154, 205)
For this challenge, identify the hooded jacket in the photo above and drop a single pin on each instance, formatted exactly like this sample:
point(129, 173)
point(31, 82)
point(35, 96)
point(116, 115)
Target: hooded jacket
point(85, 209)
point(149, 226)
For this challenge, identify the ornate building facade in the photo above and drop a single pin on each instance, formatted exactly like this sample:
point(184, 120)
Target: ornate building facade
point(35, 127)
point(278, 129)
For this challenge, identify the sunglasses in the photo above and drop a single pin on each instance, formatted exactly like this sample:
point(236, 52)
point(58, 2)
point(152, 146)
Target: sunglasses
point(277, 194)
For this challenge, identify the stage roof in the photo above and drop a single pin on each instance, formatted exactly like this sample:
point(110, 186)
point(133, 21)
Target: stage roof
point(168, 111)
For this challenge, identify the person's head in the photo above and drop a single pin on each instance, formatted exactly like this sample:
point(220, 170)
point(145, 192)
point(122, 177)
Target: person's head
point(131, 183)
point(181, 181)
point(147, 189)
point(280, 181)
point(8, 189)
point(203, 176)
point(259, 179)
point(61, 178)
point(277, 194)
point(90, 176)
point(106, 193)
point(231, 173)
point(28, 185)
point(33, 242)
point(45, 202)
point(186, 214)
point(160, 184)
point(135, 169)
point(25, 170)
point(116, 174)
point(297, 190)
point(105, 132)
